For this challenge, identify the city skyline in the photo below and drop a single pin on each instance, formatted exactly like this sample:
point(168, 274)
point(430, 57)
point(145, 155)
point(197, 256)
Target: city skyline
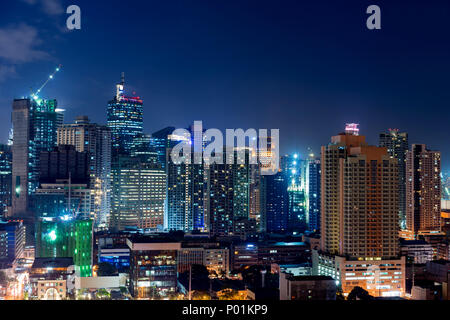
point(231, 69)
point(240, 150)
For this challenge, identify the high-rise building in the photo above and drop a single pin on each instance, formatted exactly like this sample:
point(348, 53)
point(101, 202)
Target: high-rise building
point(64, 237)
point(64, 162)
point(141, 148)
point(96, 141)
point(185, 196)
point(275, 202)
point(255, 201)
point(295, 171)
point(314, 195)
point(35, 125)
point(359, 222)
point(5, 179)
point(359, 217)
point(227, 195)
point(125, 118)
point(139, 192)
point(12, 240)
point(397, 145)
point(423, 190)
point(62, 198)
point(160, 141)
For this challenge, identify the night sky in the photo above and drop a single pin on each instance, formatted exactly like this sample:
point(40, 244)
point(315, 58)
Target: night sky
point(305, 67)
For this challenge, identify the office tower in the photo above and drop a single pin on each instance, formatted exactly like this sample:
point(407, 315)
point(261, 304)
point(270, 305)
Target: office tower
point(35, 124)
point(297, 219)
point(5, 179)
point(96, 140)
point(227, 196)
point(12, 240)
point(255, 203)
point(445, 182)
point(153, 267)
point(314, 197)
point(64, 187)
point(359, 223)
point(397, 145)
point(125, 118)
point(64, 237)
point(423, 190)
point(64, 162)
point(64, 184)
point(139, 192)
point(63, 198)
point(141, 148)
point(160, 141)
point(185, 196)
point(295, 170)
point(276, 202)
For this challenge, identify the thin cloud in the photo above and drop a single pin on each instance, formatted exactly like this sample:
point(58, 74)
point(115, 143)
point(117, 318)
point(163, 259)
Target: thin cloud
point(18, 44)
point(52, 7)
point(49, 7)
point(7, 72)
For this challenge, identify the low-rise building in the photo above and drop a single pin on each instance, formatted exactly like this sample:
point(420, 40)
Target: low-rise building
point(307, 287)
point(381, 278)
point(153, 266)
point(416, 251)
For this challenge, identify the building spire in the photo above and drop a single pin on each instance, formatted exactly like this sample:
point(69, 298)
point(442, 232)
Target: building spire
point(120, 87)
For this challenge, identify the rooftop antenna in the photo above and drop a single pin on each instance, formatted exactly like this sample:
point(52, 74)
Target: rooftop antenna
point(35, 95)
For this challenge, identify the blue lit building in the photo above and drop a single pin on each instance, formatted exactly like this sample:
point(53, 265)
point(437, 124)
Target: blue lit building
point(295, 170)
point(160, 141)
point(314, 195)
point(185, 196)
point(5, 178)
point(119, 257)
point(12, 240)
point(35, 124)
point(125, 118)
point(276, 202)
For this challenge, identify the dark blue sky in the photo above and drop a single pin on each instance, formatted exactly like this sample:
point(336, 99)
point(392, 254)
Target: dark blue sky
point(305, 67)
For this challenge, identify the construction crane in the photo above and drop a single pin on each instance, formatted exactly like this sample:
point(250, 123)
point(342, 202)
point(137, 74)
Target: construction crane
point(35, 95)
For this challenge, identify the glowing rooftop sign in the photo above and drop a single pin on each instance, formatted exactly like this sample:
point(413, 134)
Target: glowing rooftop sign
point(352, 128)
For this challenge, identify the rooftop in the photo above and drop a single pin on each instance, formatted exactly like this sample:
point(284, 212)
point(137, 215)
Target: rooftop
point(52, 263)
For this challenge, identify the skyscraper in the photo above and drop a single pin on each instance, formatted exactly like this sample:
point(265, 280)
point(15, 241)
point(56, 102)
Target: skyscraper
point(359, 217)
point(142, 149)
point(397, 145)
point(275, 202)
point(160, 141)
point(228, 194)
point(359, 222)
point(5, 178)
point(64, 183)
point(185, 196)
point(314, 195)
point(96, 140)
point(125, 118)
point(139, 192)
point(295, 171)
point(423, 190)
point(35, 124)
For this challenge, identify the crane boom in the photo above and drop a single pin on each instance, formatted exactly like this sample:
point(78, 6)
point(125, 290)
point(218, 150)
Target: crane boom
point(35, 95)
